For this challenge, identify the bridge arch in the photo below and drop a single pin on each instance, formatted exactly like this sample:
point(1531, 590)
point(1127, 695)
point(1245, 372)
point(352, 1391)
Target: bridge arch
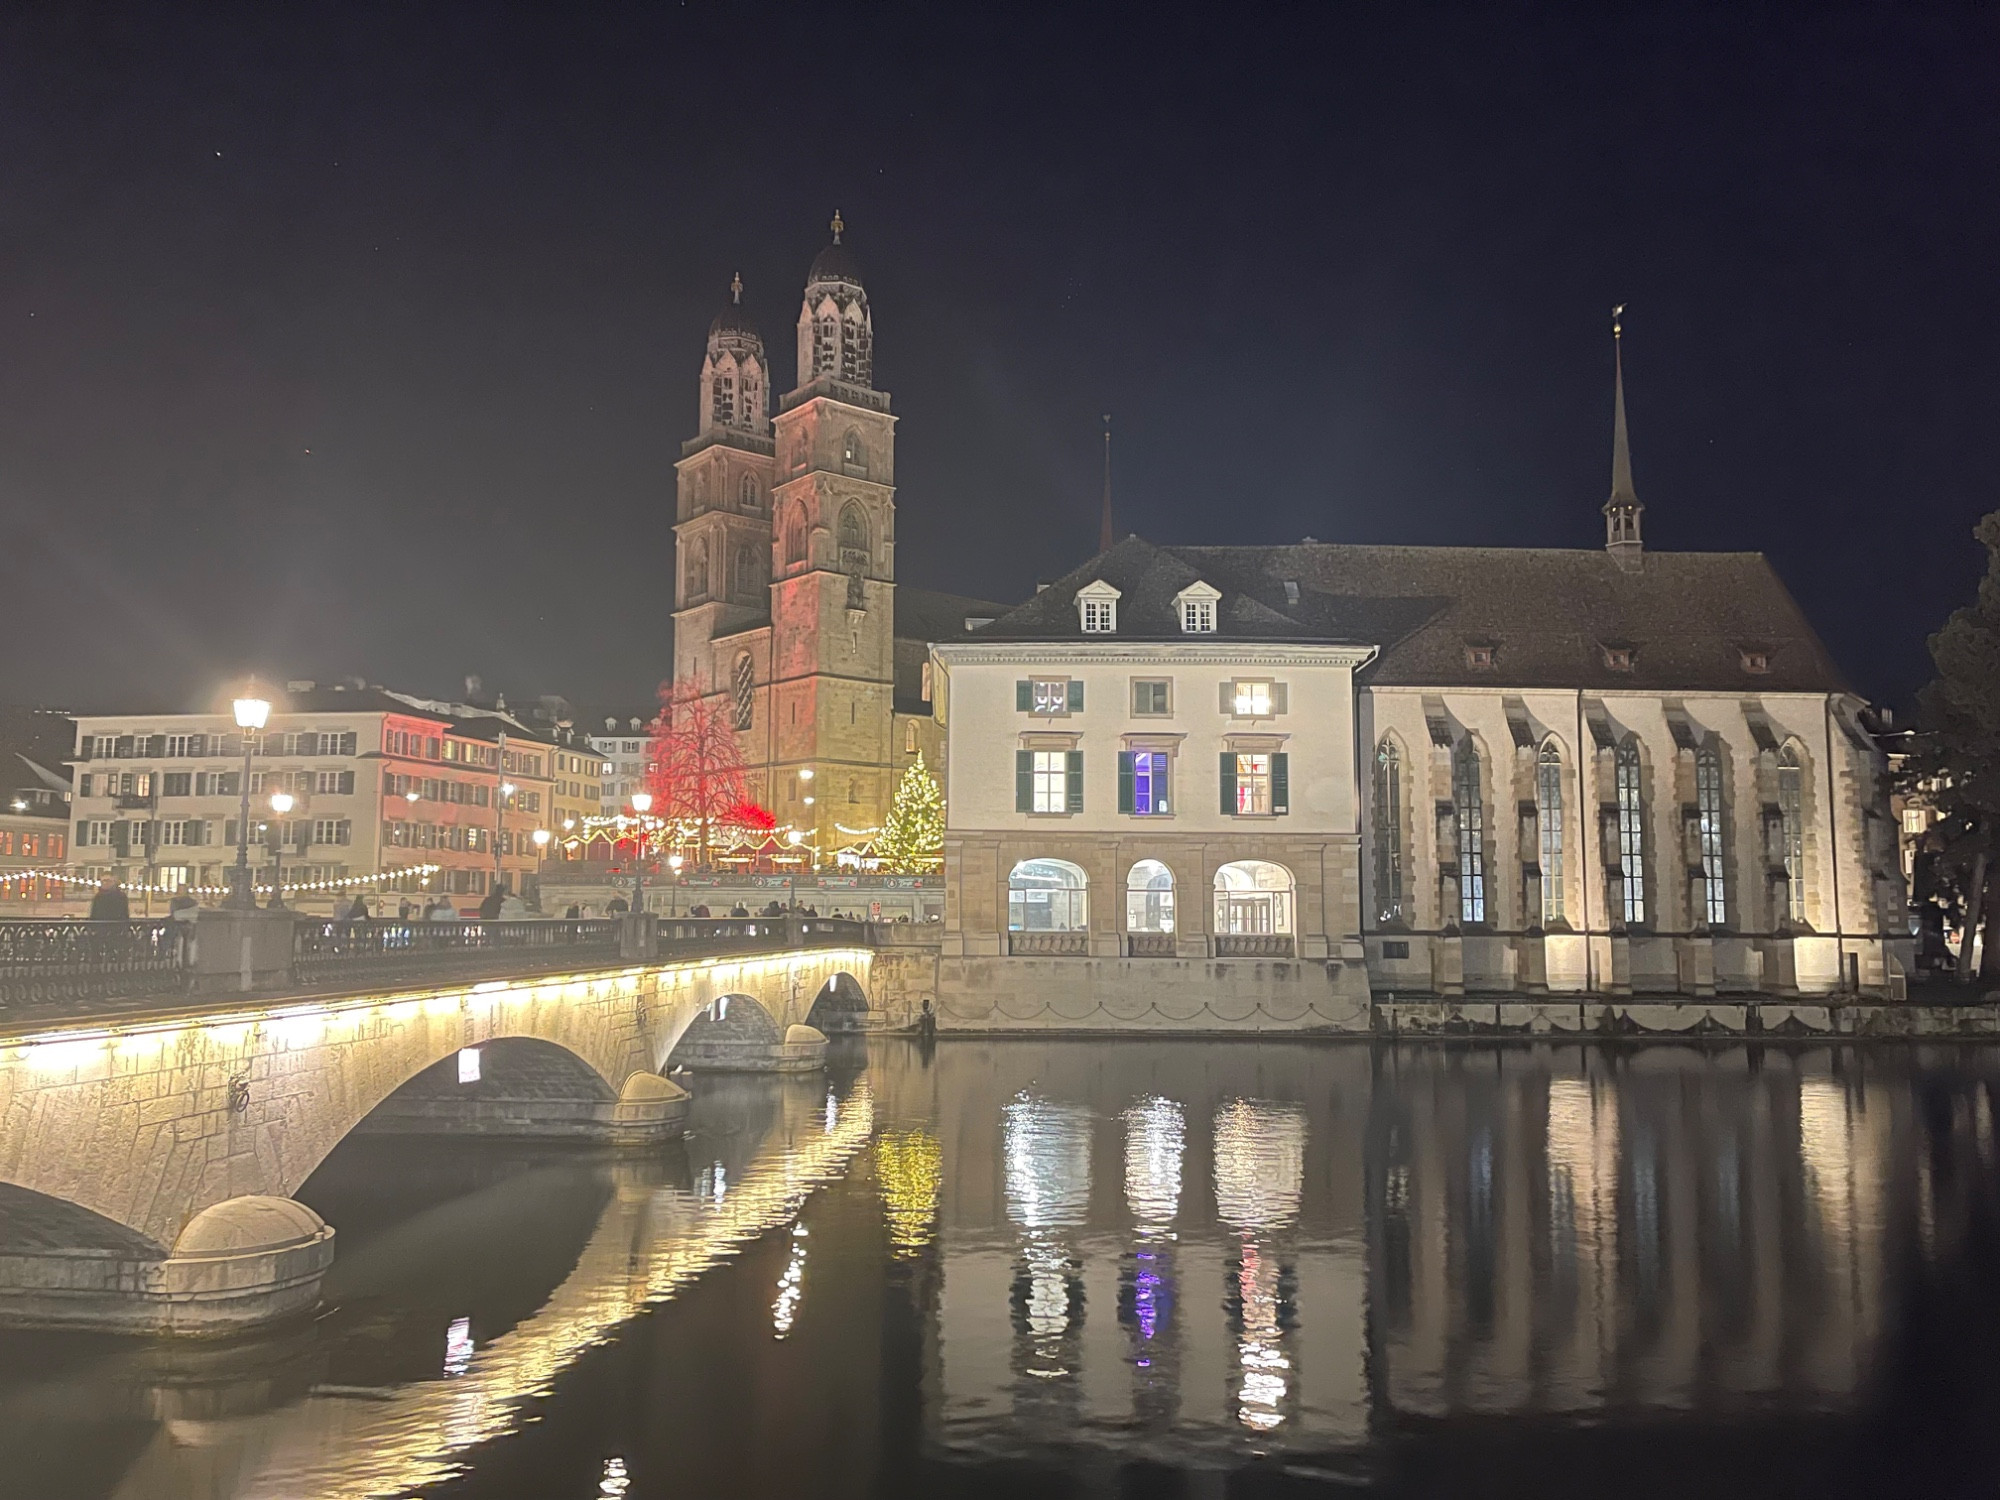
point(840, 1006)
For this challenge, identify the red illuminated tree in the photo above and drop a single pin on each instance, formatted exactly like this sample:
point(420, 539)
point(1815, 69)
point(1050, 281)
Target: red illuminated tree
point(694, 767)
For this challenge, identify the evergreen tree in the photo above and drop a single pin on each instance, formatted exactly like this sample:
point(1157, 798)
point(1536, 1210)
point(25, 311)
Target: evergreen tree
point(1956, 761)
point(912, 841)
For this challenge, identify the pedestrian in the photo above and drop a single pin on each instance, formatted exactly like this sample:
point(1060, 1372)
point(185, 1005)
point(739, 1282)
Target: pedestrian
point(575, 913)
point(512, 907)
point(403, 910)
point(489, 909)
point(739, 910)
point(109, 904)
point(443, 911)
point(616, 907)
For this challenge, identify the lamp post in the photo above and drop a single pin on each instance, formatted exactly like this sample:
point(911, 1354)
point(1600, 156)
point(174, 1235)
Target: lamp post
point(252, 713)
point(499, 810)
point(642, 803)
point(281, 803)
point(797, 838)
point(674, 892)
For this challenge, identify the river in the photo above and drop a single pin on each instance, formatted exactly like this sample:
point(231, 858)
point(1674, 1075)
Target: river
point(1125, 1268)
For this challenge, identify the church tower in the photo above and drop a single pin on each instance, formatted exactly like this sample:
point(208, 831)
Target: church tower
point(722, 525)
point(832, 561)
point(1622, 510)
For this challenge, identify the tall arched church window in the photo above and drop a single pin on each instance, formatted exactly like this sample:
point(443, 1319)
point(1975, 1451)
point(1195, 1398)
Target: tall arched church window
point(1388, 833)
point(826, 343)
point(723, 397)
point(1631, 834)
point(1792, 831)
point(853, 453)
point(748, 579)
point(697, 571)
point(1708, 831)
point(855, 552)
point(1470, 808)
point(1549, 829)
point(743, 684)
point(795, 533)
point(747, 494)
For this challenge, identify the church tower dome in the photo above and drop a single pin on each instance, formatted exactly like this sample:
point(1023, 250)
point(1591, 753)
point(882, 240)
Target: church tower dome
point(836, 334)
point(735, 374)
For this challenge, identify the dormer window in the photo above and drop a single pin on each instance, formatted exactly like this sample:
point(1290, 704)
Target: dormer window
point(1620, 658)
point(1196, 607)
point(1755, 661)
point(1097, 607)
point(1479, 657)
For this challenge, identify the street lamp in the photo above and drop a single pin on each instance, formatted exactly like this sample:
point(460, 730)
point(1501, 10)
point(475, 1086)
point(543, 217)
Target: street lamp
point(674, 863)
point(252, 713)
point(499, 811)
point(642, 803)
point(281, 803)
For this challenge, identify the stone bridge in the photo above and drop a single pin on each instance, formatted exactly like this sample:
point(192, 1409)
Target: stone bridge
point(147, 1166)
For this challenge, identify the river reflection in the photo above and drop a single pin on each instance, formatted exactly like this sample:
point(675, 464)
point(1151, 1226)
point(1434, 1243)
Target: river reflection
point(1147, 1266)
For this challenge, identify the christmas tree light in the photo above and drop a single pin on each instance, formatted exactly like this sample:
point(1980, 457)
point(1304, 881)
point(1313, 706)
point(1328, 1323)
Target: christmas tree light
point(912, 841)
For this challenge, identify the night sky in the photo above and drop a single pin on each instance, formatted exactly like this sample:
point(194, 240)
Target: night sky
point(348, 340)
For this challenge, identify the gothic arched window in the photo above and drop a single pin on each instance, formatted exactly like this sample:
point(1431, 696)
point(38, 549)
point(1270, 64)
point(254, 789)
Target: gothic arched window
point(853, 453)
point(722, 398)
point(743, 683)
point(1708, 821)
point(795, 533)
point(1388, 833)
point(747, 577)
point(1470, 808)
point(855, 551)
point(697, 572)
point(1549, 829)
point(747, 493)
point(1792, 831)
point(1631, 834)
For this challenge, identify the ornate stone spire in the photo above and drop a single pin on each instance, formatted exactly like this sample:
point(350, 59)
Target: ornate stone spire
point(1622, 510)
point(735, 376)
point(836, 336)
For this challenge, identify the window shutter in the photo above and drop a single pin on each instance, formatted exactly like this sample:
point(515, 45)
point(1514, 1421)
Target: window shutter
point(84, 745)
point(229, 831)
point(1228, 784)
point(1024, 780)
point(1279, 698)
point(1074, 765)
point(197, 744)
point(1125, 793)
point(1075, 696)
point(1281, 783)
point(1227, 698)
point(156, 745)
point(1024, 696)
point(343, 831)
point(347, 743)
point(346, 783)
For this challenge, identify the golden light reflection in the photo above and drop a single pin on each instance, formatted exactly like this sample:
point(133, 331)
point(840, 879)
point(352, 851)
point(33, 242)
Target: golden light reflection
point(1582, 1162)
point(647, 1247)
point(1260, 1163)
point(909, 1166)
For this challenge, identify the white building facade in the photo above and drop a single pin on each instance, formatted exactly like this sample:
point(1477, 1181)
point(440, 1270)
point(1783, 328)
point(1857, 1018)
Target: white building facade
point(1209, 788)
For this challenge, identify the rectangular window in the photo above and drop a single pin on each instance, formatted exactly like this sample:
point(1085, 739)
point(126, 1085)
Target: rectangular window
point(1142, 783)
point(177, 784)
point(1151, 697)
point(1198, 616)
point(332, 831)
point(1253, 700)
point(83, 784)
point(1253, 784)
point(1048, 696)
point(1051, 793)
point(1100, 616)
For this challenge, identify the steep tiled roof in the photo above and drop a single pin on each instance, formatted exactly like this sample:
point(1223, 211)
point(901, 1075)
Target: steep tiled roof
point(928, 615)
point(1542, 617)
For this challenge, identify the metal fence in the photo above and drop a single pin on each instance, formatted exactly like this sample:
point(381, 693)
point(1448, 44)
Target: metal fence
point(49, 963)
point(329, 950)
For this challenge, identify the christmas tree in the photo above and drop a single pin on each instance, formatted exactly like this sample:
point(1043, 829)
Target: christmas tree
point(912, 841)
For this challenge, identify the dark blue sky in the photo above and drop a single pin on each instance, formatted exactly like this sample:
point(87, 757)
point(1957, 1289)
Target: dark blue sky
point(349, 339)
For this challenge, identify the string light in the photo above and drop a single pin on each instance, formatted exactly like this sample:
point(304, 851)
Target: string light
point(343, 883)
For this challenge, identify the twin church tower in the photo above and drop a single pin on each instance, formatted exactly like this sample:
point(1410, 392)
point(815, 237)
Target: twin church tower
point(785, 608)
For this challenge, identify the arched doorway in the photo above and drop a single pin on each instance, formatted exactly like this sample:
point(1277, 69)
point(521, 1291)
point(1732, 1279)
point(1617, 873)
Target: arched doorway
point(1048, 910)
point(1149, 909)
point(1253, 910)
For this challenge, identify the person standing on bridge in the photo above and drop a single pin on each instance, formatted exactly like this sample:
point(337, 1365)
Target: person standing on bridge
point(489, 909)
point(110, 903)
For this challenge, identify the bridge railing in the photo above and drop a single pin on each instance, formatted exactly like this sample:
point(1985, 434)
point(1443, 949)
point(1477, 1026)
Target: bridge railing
point(52, 963)
point(330, 950)
point(697, 936)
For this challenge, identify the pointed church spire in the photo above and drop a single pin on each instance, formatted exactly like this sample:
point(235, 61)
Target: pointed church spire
point(1622, 510)
point(1104, 532)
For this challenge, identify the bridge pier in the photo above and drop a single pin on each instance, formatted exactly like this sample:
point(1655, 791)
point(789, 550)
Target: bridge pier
point(239, 1264)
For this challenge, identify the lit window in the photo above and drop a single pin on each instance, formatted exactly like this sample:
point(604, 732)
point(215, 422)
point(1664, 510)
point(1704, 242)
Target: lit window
point(1198, 616)
point(1253, 700)
point(1100, 615)
point(1143, 778)
point(1051, 781)
point(1253, 784)
point(1051, 695)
